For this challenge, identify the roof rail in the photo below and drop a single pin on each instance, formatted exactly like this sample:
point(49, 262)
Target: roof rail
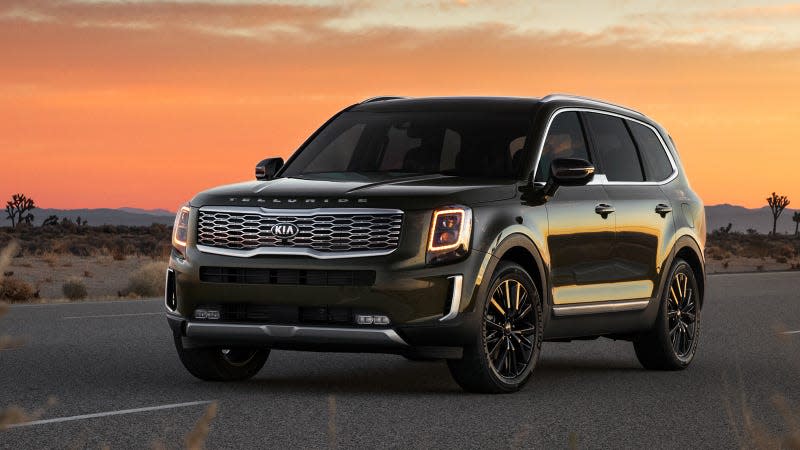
point(552, 97)
point(381, 98)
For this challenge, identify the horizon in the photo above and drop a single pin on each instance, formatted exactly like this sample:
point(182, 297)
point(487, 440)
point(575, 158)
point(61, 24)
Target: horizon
point(104, 102)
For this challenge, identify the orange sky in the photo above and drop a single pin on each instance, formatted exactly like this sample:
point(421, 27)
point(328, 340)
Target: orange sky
point(107, 104)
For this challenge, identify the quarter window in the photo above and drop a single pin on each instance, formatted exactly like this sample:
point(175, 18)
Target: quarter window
point(656, 163)
point(564, 140)
point(615, 148)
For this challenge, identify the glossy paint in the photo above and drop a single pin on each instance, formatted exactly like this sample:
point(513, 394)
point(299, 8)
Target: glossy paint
point(577, 257)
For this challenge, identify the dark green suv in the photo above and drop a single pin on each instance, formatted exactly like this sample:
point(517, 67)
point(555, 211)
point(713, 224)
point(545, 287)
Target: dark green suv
point(464, 229)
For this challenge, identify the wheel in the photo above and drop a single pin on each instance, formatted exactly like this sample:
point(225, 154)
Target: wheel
point(216, 364)
point(507, 344)
point(672, 342)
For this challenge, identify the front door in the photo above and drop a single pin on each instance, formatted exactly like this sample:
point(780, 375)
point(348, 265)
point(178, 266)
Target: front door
point(581, 235)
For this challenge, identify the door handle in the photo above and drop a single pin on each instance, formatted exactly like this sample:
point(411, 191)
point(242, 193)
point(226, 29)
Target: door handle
point(604, 209)
point(663, 210)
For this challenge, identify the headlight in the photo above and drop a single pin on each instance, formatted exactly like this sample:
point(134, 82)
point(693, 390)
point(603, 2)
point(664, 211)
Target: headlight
point(181, 229)
point(451, 228)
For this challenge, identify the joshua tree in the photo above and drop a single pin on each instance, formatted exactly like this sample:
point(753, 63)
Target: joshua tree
point(796, 219)
point(777, 203)
point(19, 208)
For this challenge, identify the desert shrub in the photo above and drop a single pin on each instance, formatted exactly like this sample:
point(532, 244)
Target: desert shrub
point(118, 254)
point(50, 258)
point(147, 281)
point(74, 289)
point(781, 259)
point(15, 290)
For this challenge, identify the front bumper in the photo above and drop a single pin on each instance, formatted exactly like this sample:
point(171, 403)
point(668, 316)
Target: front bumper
point(429, 307)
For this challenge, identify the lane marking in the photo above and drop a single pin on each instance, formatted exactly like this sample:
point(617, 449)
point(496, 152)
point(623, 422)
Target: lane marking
point(113, 315)
point(791, 332)
point(107, 414)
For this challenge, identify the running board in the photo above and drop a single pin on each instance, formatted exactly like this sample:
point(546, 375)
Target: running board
point(600, 308)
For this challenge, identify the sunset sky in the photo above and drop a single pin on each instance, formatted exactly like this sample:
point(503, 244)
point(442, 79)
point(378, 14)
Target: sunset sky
point(141, 103)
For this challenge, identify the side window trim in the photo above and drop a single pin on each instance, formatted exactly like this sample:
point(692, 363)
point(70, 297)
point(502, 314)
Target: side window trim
point(601, 179)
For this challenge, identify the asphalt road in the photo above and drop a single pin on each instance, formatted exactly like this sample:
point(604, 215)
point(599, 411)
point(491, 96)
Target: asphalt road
point(104, 358)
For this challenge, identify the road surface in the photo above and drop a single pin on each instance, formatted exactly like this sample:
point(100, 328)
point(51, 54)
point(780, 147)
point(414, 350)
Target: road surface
point(118, 382)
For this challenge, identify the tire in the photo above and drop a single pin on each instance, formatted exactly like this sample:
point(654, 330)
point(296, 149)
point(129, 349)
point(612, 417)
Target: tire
point(485, 368)
point(216, 364)
point(672, 342)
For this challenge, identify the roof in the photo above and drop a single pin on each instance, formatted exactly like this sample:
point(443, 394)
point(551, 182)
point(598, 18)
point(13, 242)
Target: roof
point(494, 104)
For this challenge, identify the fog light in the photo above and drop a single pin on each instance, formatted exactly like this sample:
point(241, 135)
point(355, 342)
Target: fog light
point(208, 314)
point(372, 320)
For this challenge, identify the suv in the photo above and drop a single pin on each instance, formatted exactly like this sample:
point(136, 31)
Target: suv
point(464, 229)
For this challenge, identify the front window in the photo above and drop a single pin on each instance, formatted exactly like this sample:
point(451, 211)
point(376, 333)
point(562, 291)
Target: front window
point(398, 144)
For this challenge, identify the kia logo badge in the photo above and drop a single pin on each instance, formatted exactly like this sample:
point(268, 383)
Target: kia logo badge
point(285, 230)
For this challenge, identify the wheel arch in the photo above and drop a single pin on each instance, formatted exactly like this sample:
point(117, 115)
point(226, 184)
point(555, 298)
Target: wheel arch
point(688, 249)
point(520, 249)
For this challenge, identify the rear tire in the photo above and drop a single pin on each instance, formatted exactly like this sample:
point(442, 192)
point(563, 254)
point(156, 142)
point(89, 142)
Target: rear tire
point(508, 341)
point(672, 342)
point(216, 364)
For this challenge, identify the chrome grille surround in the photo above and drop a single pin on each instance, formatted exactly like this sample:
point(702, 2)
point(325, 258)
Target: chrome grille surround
point(322, 232)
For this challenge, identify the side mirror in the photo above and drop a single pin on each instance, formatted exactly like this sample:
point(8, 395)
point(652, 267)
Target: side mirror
point(571, 171)
point(268, 168)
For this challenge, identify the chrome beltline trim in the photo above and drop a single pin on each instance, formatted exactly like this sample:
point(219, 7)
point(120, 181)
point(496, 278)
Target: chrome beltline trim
point(291, 251)
point(300, 333)
point(455, 299)
point(599, 308)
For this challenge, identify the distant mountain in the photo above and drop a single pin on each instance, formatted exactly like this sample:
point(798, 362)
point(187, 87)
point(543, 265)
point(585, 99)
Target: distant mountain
point(743, 218)
point(103, 216)
point(153, 212)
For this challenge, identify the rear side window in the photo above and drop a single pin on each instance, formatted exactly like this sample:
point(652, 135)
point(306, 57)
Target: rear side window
point(656, 163)
point(564, 140)
point(614, 147)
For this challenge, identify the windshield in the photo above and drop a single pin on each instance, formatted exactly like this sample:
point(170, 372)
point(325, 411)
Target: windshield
point(398, 144)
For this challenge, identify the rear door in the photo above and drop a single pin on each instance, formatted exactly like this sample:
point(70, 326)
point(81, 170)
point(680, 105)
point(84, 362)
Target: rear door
point(628, 151)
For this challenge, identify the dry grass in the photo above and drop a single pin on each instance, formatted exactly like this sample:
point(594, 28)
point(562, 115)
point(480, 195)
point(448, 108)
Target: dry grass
point(196, 438)
point(51, 258)
point(147, 281)
point(14, 414)
point(74, 289)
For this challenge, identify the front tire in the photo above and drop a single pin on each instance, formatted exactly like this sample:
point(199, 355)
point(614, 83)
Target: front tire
point(216, 364)
point(508, 341)
point(672, 342)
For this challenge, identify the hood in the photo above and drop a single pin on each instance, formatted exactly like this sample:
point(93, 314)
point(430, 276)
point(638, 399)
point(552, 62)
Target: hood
point(371, 191)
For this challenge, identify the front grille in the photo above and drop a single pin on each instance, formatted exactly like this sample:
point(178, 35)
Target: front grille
point(246, 275)
point(321, 231)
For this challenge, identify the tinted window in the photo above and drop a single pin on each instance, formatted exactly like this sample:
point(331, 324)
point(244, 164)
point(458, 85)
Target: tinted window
point(394, 144)
point(338, 153)
point(614, 147)
point(564, 140)
point(656, 163)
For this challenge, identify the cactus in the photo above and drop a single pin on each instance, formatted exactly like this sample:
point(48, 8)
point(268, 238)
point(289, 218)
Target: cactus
point(777, 203)
point(796, 220)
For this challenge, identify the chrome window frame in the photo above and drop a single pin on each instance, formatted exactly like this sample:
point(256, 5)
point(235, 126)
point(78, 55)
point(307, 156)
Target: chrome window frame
point(601, 179)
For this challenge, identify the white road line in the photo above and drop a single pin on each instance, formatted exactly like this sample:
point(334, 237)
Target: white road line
point(113, 315)
point(791, 332)
point(108, 413)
